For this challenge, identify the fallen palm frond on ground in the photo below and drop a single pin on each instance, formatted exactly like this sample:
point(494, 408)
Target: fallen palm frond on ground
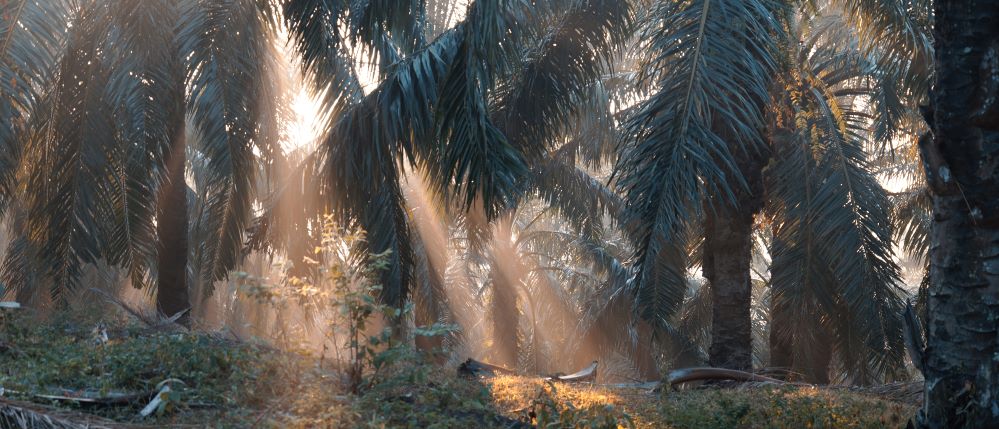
point(27, 415)
point(474, 368)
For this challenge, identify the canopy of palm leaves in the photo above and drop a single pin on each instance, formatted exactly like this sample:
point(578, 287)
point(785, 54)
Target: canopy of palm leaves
point(581, 137)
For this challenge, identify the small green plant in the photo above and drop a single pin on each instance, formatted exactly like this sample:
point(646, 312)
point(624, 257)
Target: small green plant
point(356, 301)
point(342, 289)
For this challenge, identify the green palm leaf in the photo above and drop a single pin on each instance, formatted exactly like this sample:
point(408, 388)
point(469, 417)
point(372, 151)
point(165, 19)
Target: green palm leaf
point(712, 63)
point(472, 155)
point(833, 236)
point(32, 40)
point(224, 107)
point(146, 88)
point(73, 179)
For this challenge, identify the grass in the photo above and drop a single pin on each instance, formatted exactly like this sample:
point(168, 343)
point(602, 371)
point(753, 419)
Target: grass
point(65, 356)
point(234, 384)
point(775, 407)
point(779, 407)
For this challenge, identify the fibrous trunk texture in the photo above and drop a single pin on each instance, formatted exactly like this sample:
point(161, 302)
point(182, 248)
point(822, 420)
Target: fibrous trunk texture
point(728, 251)
point(506, 279)
point(962, 169)
point(781, 352)
point(172, 294)
point(728, 255)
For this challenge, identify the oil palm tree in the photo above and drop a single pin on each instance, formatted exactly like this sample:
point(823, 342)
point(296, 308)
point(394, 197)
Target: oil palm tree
point(823, 191)
point(100, 142)
point(706, 143)
point(703, 72)
point(471, 106)
point(959, 159)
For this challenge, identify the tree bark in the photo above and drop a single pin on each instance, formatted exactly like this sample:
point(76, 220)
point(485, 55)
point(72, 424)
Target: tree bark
point(728, 247)
point(507, 272)
point(172, 294)
point(815, 369)
point(644, 353)
point(781, 352)
point(962, 352)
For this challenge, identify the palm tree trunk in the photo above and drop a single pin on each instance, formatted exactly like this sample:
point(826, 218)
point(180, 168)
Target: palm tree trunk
point(172, 294)
point(506, 276)
point(644, 353)
point(781, 352)
point(728, 254)
point(505, 320)
point(962, 353)
point(815, 369)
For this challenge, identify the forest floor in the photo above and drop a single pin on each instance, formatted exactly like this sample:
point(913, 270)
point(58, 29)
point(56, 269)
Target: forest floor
point(113, 371)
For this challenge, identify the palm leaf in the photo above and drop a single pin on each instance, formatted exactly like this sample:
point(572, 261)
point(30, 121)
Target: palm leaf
point(833, 235)
point(32, 41)
point(146, 88)
point(315, 28)
point(563, 62)
point(711, 63)
point(224, 107)
point(471, 154)
point(73, 178)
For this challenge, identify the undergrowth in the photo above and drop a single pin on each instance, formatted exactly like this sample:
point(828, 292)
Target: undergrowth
point(774, 407)
point(65, 357)
point(236, 384)
point(788, 407)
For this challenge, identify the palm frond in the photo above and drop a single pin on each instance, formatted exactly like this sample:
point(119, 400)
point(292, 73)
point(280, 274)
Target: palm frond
point(396, 24)
point(362, 151)
point(316, 31)
point(836, 54)
point(32, 41)
point(224, 107)
point(833, 240)
point(440, 16)
point(471, 154)
point(913, 216)
point(578, 197)
point(550, 86)
point(74, 174)
point(712, 63)
point(146, 88)
point(900, 31)
point(19, 270)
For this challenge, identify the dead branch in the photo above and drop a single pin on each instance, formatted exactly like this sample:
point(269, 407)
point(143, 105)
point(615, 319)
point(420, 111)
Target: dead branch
point(472, 367)
point(588, 374)
point(152, 322)
point(686, 375)
point(89, 397)
point(22, 415)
